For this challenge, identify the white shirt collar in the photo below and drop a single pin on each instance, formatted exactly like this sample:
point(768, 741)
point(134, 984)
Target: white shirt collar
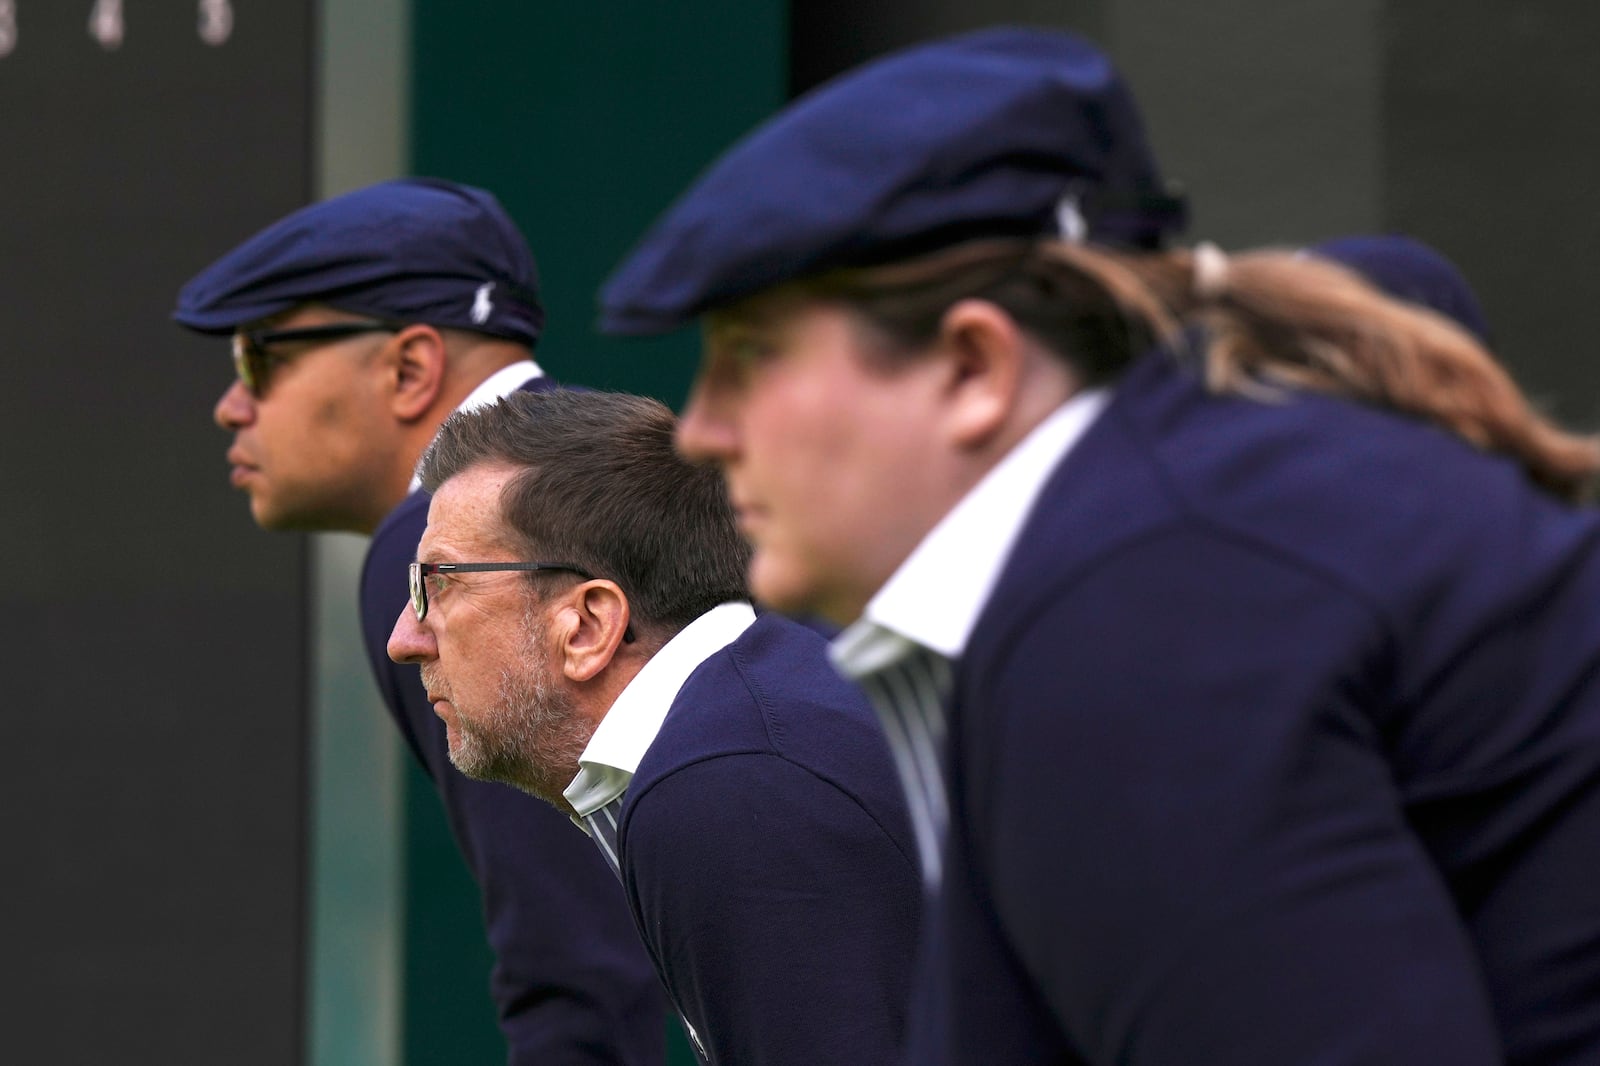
point(502, 382)
point(934, 597)
point(612, 756)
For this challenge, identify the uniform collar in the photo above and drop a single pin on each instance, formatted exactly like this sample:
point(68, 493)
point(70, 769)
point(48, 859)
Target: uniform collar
point(934, 597)
point(501, 383)
point(628, 729)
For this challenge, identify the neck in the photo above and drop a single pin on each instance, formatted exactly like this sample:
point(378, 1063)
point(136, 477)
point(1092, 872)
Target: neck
point(1043, 386)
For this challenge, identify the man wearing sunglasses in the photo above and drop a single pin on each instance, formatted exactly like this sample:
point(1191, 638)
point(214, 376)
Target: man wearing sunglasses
point(578, 610)
point(358, 324)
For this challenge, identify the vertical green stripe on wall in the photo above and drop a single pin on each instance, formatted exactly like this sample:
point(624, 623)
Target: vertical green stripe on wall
point(356, 923)
point(586, 119)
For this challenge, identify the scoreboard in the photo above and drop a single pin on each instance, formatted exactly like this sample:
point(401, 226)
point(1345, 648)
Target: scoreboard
point(107, 23)
point(156, 641)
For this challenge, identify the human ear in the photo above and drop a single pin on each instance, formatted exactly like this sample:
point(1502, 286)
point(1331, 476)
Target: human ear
point(418, 368)
point(593, 624)
point(984, 351)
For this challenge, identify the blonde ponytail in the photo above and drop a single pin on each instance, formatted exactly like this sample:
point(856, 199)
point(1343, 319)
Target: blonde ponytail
point(1298, 321)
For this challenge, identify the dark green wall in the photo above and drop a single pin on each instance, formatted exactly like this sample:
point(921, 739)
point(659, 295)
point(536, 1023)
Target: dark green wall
point(585, 119)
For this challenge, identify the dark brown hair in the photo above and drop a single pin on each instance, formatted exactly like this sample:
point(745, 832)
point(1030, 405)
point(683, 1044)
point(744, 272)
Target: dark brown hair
point(1279, 319)
point(599, 485)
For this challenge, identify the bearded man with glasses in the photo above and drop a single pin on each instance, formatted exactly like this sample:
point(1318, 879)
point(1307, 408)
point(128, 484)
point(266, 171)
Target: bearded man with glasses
point(580, 617)
point(358, 325)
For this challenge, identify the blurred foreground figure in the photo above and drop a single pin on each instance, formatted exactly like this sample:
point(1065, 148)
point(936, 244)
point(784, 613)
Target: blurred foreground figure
point(1233, 624)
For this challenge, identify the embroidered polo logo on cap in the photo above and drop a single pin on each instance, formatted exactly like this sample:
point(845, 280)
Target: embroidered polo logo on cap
point(1070, 223)
point(482, 308)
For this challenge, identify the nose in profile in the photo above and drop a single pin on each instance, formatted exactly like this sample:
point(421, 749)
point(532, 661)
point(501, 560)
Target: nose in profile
point(235, 407)
point(410, 641)
point(705, 429)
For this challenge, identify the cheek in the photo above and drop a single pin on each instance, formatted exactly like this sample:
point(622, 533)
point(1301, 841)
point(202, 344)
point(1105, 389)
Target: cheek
point(298, 425)
point(329, 412)
point(788, 574)
point(852, 499)
point(452, 667)
point(815, 502)
point(339, 425)
point(799, 433)
point(845, 459)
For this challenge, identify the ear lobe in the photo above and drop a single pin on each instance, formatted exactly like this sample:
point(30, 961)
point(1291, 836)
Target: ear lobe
point(419, 370)
point(593, 623)
point(985, 348)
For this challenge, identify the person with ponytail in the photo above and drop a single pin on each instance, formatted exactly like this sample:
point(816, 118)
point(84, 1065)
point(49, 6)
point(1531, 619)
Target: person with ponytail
point(1235, 626)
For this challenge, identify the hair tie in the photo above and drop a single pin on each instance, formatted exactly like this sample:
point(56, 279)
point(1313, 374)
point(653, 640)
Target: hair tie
point(1210, 266)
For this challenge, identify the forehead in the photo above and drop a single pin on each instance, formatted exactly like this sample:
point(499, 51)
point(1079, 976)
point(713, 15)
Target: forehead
point(816, 335)
point(464, 516)
point(770, 309)
point(306, 314)
point(789, 319)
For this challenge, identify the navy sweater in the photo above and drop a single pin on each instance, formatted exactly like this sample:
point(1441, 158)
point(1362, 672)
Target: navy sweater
point(768, 859)
point(1278, 742)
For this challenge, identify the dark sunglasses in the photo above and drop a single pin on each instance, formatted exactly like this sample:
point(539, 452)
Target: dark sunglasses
point(419, 573)
point(253, 362)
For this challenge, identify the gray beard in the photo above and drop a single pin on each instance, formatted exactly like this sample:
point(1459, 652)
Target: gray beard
point(532, 738)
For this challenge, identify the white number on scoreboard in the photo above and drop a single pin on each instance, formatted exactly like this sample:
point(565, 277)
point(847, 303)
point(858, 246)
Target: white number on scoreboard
point(105, 23)
point(8, 26)
point(216, 21)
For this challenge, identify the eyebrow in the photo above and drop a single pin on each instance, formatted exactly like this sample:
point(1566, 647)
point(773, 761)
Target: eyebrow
point(431, 554)
point(728, 337)
point(759, 312)
point(722, 326)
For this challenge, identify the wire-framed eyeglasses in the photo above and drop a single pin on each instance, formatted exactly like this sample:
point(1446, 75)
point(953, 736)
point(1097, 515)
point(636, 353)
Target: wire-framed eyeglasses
point(418, 574)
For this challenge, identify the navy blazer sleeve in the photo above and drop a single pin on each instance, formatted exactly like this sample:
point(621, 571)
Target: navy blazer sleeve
point(1191, 836)
point(777, 906)
point(572, 983)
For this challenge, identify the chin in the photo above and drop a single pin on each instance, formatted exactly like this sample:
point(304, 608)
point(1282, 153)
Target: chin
point(774, 585)
point(469, 756)
point(265, 516)
point(276, 519)
point(790, 590)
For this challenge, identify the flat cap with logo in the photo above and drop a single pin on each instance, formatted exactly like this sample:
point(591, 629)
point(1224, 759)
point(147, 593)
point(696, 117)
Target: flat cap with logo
point(409, 250)
point(1006, 131)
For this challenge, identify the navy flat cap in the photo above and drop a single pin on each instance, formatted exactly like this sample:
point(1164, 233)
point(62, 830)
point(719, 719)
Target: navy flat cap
point(1410, 270)
point(410, 250)
point(1000, 132)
